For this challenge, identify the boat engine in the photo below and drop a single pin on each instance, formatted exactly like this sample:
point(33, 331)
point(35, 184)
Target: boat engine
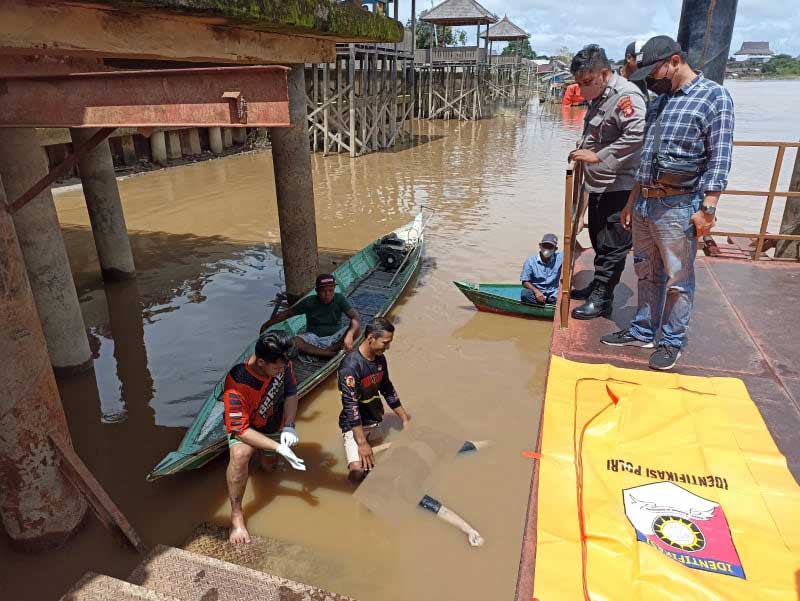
point(391, 251)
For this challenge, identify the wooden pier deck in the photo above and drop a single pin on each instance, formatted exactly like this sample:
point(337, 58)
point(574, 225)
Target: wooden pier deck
point(744, 325)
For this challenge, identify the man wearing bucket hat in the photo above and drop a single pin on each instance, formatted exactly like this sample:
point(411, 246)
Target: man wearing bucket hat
point(683, 169)
point(541, 273)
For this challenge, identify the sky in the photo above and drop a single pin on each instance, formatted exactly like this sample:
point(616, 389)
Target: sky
point(614, 23)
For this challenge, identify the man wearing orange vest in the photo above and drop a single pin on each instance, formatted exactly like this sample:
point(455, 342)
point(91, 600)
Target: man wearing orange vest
point(572, 96)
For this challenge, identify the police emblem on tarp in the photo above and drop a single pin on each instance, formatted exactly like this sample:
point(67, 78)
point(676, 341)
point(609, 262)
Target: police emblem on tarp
point(685, 527)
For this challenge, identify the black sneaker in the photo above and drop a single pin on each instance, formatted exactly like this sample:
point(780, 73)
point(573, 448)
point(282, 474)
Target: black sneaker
point(624, 338)
point(665, 357)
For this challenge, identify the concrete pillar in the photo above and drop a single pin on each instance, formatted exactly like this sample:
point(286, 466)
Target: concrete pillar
point(190, 142)
point(174, 144)
point(105, 208)
point(239, 135)
point(227, 137)
point(39, 508)
point(291, 161)
point(128, 150)
point(215, 140)
point(22, 163)
point(158, 147)
point(790, 224)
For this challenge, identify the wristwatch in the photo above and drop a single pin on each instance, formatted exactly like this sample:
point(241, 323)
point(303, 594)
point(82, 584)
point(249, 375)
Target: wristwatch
point(708, 209)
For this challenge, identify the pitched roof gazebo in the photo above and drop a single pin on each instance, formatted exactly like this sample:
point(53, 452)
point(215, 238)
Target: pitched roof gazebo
point(504, 31)
point(460, 12)
point(755, 50)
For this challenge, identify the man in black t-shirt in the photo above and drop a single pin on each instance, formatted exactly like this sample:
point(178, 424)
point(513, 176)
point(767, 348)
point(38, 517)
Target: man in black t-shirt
point(363, 379)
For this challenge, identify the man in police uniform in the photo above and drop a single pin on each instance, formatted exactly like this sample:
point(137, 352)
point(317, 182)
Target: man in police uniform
point(610, 149)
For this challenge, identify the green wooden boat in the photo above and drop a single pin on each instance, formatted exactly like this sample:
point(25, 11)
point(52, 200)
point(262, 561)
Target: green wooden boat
point(503, 299)
point(372, 289)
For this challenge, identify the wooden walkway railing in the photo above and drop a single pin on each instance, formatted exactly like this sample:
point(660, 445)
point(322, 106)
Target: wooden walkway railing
point(575, 206)
point(771, 194)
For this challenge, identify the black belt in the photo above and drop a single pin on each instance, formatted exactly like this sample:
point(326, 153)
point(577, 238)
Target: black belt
point(663, 192)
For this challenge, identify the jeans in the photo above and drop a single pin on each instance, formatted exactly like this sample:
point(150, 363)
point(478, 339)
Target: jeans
point(664, 250)
point(527, 297)
point(611, 241)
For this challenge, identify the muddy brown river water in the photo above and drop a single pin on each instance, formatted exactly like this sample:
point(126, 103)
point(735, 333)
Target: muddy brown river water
point(205, 241)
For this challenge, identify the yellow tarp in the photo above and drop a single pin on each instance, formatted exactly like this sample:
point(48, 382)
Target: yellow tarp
point(675, 483)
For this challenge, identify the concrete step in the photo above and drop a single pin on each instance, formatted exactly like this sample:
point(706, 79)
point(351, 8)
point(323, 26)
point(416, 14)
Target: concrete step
point(192, 577)
point(272, 556)
point(96, 587)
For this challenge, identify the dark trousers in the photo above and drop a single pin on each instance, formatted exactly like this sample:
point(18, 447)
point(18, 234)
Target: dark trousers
point(611, 241)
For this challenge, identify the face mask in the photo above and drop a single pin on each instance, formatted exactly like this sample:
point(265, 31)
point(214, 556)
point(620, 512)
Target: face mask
point(662, 85)
point(546, 253)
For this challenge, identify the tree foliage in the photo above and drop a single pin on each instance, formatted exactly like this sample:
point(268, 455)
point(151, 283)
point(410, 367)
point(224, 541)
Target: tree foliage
point(780, 65)
point(445, 36)
point(519, 48)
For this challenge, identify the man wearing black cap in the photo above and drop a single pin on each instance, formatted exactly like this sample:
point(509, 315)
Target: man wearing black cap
point(541, 273)
point(325, 335)
point(631, 53)
point(613, 130)
point(684, 167)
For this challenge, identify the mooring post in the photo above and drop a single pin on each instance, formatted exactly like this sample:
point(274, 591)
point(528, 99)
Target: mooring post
point(100, 190)
point(39, 508)
point(705, 31)
point(294, 188)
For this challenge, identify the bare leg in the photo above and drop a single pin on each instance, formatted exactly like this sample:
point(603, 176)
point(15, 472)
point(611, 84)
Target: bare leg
point(237, 473)
point(310, 349)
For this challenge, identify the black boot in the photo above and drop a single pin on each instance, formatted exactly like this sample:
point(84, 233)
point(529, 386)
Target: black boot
point(582, 293)
point(598, 305)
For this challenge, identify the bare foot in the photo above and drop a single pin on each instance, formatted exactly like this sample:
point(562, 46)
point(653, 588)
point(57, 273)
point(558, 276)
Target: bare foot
point(239, 534)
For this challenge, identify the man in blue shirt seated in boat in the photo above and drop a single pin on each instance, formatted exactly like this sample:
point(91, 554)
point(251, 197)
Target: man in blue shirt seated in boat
point(541, 273)
point(325, 335)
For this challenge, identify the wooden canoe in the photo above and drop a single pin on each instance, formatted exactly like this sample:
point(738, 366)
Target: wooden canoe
point(503, 299)
point(371, 290)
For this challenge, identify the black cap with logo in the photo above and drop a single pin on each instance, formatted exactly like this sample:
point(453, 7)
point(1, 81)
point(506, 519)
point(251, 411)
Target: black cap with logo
point(655, 50)
point(324, 279)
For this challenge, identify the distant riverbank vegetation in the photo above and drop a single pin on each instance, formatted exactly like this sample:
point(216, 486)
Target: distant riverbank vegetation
point(780, 66)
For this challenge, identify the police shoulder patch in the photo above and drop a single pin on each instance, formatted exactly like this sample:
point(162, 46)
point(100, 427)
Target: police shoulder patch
point(625, 106)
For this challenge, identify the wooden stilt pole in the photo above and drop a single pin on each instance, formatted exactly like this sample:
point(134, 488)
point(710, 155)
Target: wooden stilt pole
point(351, 79)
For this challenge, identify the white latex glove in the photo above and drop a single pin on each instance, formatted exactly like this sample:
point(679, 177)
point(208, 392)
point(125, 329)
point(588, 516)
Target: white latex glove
point(289, 436)
point(287, 453)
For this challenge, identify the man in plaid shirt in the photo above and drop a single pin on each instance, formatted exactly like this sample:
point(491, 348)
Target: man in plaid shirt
point(674, 200)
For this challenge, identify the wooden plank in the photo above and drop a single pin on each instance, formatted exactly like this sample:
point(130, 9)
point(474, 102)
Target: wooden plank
point(339, 102)
point(325, 125)
point(107, 511)
point(315, 94)
point(48, 28)
point(351, 80)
